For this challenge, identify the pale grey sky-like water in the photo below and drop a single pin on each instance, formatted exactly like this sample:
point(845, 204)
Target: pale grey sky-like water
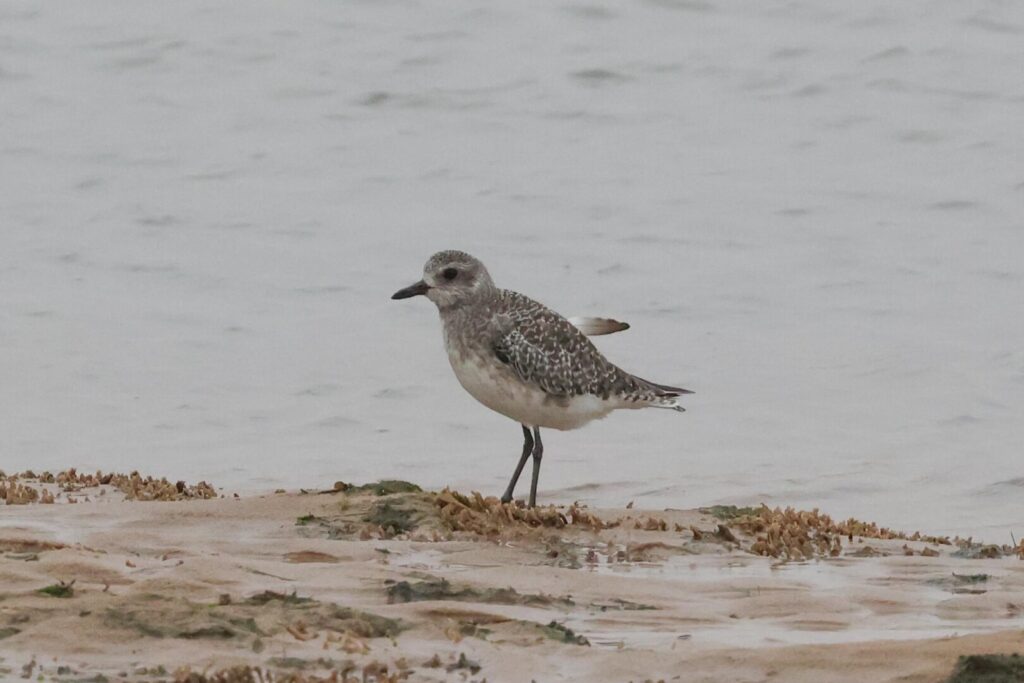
point(812, 213)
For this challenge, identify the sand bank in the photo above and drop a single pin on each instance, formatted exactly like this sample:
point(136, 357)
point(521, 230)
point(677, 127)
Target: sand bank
point(390, 583)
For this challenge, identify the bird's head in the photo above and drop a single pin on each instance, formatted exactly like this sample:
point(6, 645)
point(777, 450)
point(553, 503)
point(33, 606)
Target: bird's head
point(450, 278)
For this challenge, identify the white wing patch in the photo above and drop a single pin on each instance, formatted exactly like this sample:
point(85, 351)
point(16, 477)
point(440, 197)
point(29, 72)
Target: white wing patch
point(593, 327)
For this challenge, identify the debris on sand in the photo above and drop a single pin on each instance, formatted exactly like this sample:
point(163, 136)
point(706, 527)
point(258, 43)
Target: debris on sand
point(384, 487)
point(442, 589)
point(979, 551)
point(757, 520)
point(310, 556)
point(971, 584)
point(285, 598)
point(346, 672)
point(27, 545)
point(393, 518)
point(727, 513)
point(395, 509)
point(563, 634)
point(28, 487)
point(464, 663)
point(654, 551)
point(373, 512)
point(265, 614)
point(791, 534)
point(618, 604)
point(490, 517)
point(14, 492)
point(800, 534)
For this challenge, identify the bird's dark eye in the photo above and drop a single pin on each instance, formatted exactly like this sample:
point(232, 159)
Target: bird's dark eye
point(449, 273)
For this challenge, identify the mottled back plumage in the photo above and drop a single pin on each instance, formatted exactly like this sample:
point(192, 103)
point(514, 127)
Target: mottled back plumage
point(547, 350)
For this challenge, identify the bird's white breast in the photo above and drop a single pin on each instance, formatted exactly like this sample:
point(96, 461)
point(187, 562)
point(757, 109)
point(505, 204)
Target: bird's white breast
point(501, 390)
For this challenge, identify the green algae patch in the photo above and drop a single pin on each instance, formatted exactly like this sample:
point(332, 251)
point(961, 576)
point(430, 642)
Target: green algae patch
point(729, 512)
point(988, 669)
point(59, 590)
point(464, 663)
point(618, 604)
point(285, 598)
point(286, 662)
point(393, 518)
point(366, 517)
point(442, 589)
point(384, 487)
point(216, 631)
point(962, 583)
point(970, 578)
point(265, 614)
point(563, 634)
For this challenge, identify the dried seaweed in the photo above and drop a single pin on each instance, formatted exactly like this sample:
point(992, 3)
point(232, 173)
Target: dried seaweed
point(490, 517)
point(15, 489)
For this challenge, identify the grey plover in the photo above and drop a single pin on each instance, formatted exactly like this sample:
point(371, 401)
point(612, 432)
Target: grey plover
point(523, 360)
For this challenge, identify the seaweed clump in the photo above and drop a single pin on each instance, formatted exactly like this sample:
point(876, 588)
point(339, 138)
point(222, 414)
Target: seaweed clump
point(791, 534)
point(490, 517)
point(263, 614)
point(800, 534)
point(15, 489)
point(384, 487)
point(393, 518)
point(59, 590)
point(442, 589)
point(374, 672)
point(988, 669)
point(563, 634)
point(730, 512)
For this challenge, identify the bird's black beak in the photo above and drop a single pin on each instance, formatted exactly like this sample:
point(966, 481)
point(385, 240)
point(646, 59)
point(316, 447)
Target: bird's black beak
point(417, 289)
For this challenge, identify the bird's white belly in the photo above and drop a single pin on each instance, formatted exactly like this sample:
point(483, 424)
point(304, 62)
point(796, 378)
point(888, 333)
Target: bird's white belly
point(502, 391)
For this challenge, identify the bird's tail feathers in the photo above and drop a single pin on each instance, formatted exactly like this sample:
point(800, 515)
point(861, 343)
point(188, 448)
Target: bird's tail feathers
point(662, 390)
point(671, 403)
point(665, 396)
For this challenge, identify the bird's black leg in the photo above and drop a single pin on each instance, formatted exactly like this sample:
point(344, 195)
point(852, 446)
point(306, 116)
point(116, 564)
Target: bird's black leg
point(527, 449)
point(538, 453)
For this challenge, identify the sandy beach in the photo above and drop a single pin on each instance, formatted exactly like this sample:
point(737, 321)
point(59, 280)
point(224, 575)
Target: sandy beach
point(386, 582)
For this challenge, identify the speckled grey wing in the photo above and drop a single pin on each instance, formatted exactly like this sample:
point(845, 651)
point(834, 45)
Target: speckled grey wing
point(546, 350)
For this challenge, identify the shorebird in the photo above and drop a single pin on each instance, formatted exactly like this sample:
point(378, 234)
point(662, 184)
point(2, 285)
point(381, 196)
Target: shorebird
point(521, 359)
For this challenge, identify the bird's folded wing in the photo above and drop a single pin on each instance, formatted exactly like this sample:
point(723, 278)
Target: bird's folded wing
point(555, 356)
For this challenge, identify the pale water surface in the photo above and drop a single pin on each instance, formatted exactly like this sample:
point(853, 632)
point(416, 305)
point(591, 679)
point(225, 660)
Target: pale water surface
point(812, 213)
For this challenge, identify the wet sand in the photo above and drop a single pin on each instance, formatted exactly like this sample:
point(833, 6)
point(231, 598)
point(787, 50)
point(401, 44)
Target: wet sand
point(425, 586)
